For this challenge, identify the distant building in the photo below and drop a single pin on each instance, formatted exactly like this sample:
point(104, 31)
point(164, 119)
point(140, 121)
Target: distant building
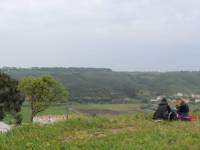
point(179, 94)
point(197, 100)
point(197, 96)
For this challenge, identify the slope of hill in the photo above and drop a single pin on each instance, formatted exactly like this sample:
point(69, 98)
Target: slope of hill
point(105, 85)
point(126, 132)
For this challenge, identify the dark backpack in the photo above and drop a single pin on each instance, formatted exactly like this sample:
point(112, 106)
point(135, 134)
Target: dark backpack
point(173, 116)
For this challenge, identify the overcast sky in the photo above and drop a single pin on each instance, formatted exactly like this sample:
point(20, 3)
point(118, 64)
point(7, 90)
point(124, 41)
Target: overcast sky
point(145, 35)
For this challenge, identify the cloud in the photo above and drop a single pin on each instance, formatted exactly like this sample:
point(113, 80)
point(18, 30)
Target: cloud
point(124, 35)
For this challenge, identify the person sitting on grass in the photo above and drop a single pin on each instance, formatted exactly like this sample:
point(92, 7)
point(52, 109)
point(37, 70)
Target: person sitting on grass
point(163, 111)
point(182, 109)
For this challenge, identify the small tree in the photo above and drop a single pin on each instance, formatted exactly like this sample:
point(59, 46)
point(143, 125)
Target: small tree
point(41, 92)
point(11, 99)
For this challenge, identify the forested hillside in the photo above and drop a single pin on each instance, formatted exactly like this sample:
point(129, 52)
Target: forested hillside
point(105, 85)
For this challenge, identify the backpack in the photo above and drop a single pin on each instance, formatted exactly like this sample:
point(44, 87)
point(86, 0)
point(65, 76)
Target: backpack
point(173, 116)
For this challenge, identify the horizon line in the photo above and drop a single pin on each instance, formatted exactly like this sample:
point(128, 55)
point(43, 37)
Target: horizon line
point(65, 67)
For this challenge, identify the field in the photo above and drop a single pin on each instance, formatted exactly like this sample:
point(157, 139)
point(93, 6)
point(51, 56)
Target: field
point(85, 109)
point(129, 129)
point(122, 132)
point(94, 109)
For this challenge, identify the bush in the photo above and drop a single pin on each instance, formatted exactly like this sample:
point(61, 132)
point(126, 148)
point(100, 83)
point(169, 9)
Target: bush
point(18, 119)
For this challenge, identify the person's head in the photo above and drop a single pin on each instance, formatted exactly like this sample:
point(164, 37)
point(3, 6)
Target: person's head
point(180, 101)
point(164, 100)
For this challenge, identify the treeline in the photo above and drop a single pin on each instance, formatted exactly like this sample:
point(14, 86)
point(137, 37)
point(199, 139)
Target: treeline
point(105, 85)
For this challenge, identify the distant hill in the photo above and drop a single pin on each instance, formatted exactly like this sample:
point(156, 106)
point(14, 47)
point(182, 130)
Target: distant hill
point(105, 85)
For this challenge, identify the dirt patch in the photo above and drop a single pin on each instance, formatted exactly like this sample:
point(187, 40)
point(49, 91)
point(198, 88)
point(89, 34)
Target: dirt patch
point(94, 112)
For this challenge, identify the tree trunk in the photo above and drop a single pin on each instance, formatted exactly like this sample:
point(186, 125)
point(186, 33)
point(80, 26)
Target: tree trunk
point(32, 116)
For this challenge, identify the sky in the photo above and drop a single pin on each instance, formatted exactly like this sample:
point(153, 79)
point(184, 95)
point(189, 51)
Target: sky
point(124, 35)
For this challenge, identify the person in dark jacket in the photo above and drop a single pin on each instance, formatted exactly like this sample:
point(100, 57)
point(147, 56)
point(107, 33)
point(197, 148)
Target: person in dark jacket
point(182, 108)
point(163, 111)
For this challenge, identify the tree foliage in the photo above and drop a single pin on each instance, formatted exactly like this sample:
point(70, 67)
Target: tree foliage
point(105, 85)
point(10, 97)
point(41, 92)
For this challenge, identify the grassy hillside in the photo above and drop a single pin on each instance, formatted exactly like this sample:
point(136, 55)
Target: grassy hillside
point(105, 85)
point(123, 132)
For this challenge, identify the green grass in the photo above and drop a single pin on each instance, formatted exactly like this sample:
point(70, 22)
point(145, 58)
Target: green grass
point(128, 131)
point(115, 107)
point(74, 108)
point(64, 109)
point(124, 132)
